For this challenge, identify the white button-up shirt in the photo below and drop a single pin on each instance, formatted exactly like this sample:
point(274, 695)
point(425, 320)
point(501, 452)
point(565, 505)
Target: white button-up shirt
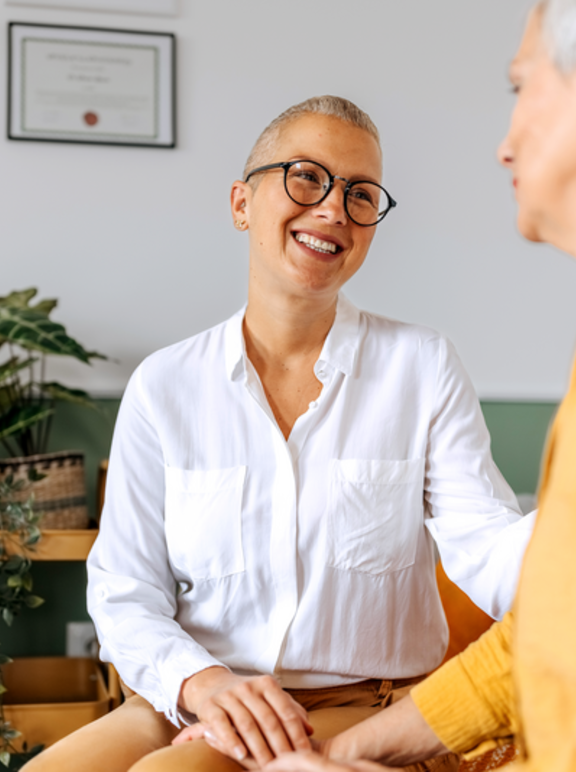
point(221, 543)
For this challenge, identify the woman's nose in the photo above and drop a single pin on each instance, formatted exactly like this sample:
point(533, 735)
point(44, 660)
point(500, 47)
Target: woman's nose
point(505, 156)
point(332, 207)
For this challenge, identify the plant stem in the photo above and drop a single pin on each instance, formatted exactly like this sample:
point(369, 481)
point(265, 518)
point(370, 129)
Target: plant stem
point(42, 372)
point(44, 447)
point(30, 382)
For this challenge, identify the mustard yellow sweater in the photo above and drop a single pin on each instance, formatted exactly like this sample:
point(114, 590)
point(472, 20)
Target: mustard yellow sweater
point(519, 679)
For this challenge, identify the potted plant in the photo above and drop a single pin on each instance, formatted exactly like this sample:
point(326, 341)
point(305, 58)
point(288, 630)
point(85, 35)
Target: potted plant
point(19, 534)
point(27, 405)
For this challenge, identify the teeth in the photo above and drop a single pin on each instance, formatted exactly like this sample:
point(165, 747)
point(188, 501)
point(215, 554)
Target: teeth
point(317, 244)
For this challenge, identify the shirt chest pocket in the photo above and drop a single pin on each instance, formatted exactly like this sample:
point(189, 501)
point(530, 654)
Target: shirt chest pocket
point(375, 514)
point(203, 520)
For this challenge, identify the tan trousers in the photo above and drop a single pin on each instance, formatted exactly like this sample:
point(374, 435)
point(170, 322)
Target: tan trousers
point(135, 737)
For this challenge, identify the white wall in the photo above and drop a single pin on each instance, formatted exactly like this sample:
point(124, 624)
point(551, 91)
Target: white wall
point(138, 243)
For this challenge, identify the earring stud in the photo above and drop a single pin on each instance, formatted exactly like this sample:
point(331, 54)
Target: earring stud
point(239, 223)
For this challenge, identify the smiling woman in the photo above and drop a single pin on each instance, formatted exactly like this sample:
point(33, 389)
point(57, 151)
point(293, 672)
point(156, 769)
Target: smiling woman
point(280, 479)
point(286, 234)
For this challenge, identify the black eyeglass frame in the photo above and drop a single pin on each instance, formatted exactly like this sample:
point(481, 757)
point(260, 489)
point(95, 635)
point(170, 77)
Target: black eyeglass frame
point(349, 184)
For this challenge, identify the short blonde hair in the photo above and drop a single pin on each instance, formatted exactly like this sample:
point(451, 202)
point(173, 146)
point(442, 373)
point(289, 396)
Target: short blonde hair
point(336, 107)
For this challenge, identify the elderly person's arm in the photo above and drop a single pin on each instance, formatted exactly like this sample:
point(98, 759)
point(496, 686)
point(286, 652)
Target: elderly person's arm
point(397, 736)
point(466, 704)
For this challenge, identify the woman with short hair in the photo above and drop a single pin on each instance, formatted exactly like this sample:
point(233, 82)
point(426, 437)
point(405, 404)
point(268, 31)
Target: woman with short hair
point(265, 562)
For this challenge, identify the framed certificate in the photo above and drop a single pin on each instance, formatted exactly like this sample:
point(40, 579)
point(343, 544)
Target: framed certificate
point(84, 84)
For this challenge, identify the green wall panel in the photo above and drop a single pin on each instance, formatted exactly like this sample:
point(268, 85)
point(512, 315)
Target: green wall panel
point(518, 433)
point(42, 631)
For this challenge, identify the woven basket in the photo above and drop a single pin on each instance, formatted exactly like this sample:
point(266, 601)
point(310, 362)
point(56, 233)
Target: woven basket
point(61, 495)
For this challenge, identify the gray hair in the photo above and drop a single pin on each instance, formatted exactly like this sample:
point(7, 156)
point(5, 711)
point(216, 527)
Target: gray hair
point(559, 28)
point(336, 107)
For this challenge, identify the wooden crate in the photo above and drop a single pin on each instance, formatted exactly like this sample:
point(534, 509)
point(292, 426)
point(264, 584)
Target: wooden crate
point(50, 697)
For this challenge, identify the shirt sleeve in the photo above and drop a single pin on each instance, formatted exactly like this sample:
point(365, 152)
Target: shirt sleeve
point(469, 701)
point(471, 511)
point(132, 592)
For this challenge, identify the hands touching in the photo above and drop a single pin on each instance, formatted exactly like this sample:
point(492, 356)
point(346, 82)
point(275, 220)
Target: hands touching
point(255, 722)
point(246, 718)
point(398, 735)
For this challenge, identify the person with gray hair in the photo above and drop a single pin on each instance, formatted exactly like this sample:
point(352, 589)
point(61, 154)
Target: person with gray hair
point(265, 565)
point(518, 682)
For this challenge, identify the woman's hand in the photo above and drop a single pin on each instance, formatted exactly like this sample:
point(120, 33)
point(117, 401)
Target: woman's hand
point(308, 761)
point(243, 716)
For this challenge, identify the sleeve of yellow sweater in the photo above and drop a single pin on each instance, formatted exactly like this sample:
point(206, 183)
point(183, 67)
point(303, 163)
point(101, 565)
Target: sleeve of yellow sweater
point(470, 699)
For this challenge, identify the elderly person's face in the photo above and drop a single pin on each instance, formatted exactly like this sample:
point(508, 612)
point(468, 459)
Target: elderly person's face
point(540, 149)
point(316, 249)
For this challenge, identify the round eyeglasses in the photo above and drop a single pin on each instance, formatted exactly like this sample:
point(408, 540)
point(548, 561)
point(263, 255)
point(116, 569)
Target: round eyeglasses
point(308, 183)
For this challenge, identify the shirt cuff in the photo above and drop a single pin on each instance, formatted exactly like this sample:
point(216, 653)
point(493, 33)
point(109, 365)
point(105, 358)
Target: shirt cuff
point(174, 675)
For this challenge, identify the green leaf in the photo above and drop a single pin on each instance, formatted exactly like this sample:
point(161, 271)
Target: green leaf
point(35, 331)
point(6, 397)
point(57, 391)
point(22, 298)
point(98, 355)
point(17, 419)
point(34, 475)
point(34, 537)
point(3, 689)
point(32, 601)
point(11, 734)
point(7, 616)
point(5, 659)
point(27, 582)
point(5, 758)
point(16, 563)
point(18, 485)
point(19, 299)
point(45, 306)
point(14, 365)
point(14, 581)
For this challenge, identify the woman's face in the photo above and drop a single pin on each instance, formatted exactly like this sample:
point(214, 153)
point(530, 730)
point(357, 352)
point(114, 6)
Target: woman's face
point(540, 148)
point(283, 234)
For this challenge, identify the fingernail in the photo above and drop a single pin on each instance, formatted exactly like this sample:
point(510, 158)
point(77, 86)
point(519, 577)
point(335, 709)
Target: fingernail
point(240, 753)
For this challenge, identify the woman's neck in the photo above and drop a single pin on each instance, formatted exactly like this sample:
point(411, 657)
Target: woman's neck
point(284, 338)
point(285, 328)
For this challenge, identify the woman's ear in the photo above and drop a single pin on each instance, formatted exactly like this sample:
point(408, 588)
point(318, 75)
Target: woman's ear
point(240, 197)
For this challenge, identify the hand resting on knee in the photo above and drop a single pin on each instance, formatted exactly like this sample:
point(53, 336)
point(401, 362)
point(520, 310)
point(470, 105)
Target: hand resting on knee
point(243, 717)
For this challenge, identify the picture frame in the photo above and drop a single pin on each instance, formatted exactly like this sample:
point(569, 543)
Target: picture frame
point(144, 7)
point(91, 85)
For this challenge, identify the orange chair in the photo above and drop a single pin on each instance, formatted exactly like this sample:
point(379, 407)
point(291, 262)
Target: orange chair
point(466, 623)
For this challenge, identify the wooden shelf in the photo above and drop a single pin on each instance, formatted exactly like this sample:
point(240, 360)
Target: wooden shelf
point(63, 545)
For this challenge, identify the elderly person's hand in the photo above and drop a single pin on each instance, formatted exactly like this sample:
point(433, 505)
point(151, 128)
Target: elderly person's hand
point(244, 718)
point(309, 761)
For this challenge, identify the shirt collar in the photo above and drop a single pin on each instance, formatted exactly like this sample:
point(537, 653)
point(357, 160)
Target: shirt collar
point(339, 349)
point(235, 349)
point(341, 344)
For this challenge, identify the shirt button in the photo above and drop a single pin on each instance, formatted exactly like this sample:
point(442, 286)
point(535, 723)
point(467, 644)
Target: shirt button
point(313, 405)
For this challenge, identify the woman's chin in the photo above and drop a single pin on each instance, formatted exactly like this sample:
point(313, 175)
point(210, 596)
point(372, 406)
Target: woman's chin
point(529, 228)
